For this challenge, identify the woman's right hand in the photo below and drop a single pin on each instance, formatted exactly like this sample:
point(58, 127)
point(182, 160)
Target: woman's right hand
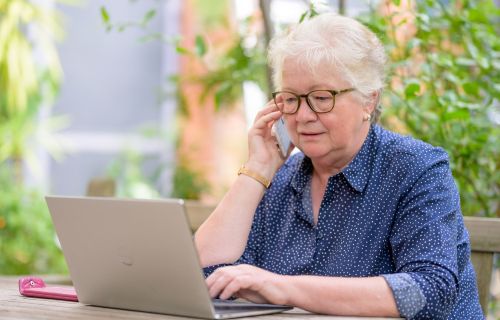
point(264, 155)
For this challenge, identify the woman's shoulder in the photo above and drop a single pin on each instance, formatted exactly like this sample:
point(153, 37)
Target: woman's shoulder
point(396, 147)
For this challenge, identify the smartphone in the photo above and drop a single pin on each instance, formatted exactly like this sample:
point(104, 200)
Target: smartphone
point(282, 137)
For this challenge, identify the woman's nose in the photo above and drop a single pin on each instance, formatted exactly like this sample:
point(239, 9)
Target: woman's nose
point(305, 113)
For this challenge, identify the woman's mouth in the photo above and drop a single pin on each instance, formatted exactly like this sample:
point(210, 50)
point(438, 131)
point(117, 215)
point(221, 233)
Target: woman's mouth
point(310, 133)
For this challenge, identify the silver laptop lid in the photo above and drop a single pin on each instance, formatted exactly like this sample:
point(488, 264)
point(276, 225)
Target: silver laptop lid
point(131, 254)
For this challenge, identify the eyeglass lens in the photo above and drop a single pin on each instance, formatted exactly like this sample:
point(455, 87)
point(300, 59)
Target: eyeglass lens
point(319, 100)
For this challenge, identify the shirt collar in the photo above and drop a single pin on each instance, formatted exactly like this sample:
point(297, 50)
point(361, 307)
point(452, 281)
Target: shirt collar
point(356, 173)
point(302, 173)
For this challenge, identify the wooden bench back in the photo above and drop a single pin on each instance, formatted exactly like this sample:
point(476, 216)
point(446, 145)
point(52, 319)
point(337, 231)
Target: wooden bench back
point(197, 213)
point(484, 236)
point(101, 187)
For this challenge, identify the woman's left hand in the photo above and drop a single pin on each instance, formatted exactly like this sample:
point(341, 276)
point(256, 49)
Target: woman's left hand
point(248, 282)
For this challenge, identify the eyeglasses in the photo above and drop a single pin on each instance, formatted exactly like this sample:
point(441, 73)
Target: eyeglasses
point(320, 101)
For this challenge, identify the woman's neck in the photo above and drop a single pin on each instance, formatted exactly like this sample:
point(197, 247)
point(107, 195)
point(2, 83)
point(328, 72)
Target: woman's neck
point(324, 172)
point(334, 162)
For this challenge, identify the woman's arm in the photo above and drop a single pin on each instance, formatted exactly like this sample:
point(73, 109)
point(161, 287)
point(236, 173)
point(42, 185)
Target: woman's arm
point(223, 236)
point(342, 296)
point(370, 296)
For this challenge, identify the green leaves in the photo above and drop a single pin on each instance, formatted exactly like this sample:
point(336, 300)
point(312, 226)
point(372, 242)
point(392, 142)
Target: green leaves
point(311, 12)
point(148, 16)
point(105, 18)
point(200, 46)
point(188, 182)
point(28, 79)
point(105, 15)
point(412, 89)
point(27, 241)
point(443, 84)
point(237, 65)
point(21, 77)
point(122, 26)
point(471, 88)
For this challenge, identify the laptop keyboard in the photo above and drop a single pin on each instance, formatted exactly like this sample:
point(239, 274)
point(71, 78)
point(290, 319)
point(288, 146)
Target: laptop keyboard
point(222, 306)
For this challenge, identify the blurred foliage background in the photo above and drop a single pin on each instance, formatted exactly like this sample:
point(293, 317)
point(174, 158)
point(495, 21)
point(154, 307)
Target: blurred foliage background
point(30, 77)
point(443, 87)
point(443, 84)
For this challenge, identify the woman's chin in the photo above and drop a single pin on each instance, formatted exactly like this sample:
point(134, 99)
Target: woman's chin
point(313, 151)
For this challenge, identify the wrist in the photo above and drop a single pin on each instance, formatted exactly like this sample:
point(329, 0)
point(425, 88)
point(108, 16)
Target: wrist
point(283, 284)
point(255, 176)
point(263, 169)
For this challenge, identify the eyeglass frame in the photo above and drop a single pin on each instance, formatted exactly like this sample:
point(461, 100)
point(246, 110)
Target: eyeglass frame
point(334, 93)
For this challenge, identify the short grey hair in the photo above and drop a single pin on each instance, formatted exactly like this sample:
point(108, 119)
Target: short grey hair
point(333, 43)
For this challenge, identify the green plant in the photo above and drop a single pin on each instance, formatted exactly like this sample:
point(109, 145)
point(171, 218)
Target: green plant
point(128, 173)
point(241, 62)
point(30, 72)
point(237, 64)
point(29, 77)
point(188, 183)
point(27, 238)
point(444, 85)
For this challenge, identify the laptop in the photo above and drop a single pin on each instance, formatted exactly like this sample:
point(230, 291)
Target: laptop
point(138, 255)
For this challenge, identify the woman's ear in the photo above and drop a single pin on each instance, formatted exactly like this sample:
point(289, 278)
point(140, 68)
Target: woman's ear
point(372, 102)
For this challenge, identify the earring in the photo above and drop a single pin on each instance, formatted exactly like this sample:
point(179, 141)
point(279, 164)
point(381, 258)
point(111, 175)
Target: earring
point(367, 117)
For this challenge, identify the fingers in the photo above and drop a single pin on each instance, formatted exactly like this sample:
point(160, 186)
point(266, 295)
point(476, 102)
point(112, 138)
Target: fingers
point(267, 116)
point(247, 282)
point(270, 106)
point(216, 282)
point(261, 143)
point(250, 295)
point(267, 121)
point(235, 285)
point(228, 281)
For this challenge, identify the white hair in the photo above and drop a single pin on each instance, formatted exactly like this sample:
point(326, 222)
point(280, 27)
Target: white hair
point(335, 44)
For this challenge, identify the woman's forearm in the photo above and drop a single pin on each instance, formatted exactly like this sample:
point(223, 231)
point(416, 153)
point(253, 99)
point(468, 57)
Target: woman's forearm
point(223, 236)
point(340, 296)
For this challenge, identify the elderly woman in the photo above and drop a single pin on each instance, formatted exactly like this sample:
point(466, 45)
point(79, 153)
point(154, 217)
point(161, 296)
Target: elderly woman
point(362, 221)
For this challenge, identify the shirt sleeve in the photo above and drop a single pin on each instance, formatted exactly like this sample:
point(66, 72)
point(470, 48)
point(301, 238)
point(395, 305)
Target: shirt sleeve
point(424, 238)
point(410, 300)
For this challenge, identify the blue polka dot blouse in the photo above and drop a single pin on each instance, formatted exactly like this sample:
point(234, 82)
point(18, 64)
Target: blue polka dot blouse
point(394, 211)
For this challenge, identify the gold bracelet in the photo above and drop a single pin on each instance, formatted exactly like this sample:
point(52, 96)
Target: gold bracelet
point(265, 182)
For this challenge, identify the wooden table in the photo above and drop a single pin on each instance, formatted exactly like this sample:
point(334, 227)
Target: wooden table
point(14, 306)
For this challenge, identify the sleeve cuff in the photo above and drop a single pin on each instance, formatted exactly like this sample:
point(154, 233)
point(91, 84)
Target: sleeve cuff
point(410, 299)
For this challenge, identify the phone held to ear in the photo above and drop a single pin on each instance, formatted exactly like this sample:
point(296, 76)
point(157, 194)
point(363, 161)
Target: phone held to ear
point(282, 137)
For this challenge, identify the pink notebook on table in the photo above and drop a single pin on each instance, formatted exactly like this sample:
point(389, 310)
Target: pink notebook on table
point(35, 287)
